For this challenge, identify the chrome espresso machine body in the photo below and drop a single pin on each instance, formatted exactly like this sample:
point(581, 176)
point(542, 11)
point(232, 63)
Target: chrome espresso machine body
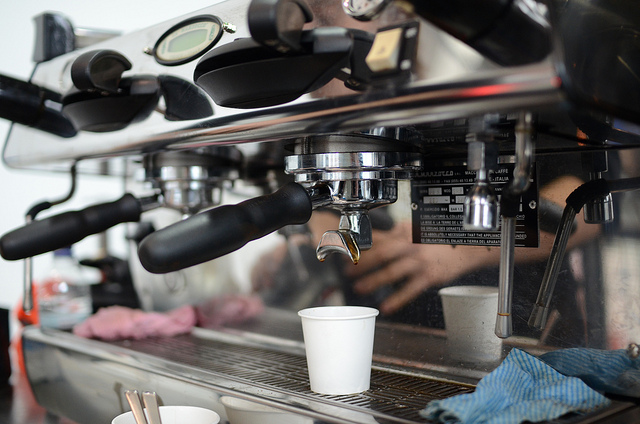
point(505, 132)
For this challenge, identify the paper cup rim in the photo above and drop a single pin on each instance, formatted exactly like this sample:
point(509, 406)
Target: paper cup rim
point(335, 313)
point(476, 291)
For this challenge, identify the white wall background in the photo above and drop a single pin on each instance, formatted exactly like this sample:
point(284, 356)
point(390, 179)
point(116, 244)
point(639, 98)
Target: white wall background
point(20, 189)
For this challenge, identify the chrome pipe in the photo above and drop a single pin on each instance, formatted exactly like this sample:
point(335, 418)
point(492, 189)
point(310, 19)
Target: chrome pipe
point(524, 154)
point(519, 184)
point(594, 189)
point(540, 313)
point(27, 286)
point(505, 284)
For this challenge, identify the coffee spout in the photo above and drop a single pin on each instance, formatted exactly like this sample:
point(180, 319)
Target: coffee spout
point(354, 234)
point(340, 241)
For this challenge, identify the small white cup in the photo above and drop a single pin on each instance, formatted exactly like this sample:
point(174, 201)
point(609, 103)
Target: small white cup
point(176, 415)
point(339, 346)
point(469, 319)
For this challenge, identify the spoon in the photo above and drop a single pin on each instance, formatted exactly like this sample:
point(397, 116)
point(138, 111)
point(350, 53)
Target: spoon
point(136, 406)
point(151, 403)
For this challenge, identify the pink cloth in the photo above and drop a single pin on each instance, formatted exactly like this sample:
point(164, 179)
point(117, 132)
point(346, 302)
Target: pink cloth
point(119, 323)
point(230, 309)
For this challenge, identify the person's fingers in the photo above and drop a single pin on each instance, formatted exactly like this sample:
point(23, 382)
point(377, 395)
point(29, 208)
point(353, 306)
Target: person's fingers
point(384, 250)
point(404, 295)
point(370, 261)
point(391, 273)
point(266, 268)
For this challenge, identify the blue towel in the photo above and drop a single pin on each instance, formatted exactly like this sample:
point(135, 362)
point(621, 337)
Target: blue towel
point(609, 371)
point(522, 388)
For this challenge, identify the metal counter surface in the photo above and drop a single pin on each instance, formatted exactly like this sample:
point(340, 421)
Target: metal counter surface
point(200, 368)
point(18, 406)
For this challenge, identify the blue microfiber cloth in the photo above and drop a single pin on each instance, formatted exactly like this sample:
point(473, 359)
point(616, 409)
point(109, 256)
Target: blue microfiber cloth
point(609, 371)
point(522, 388)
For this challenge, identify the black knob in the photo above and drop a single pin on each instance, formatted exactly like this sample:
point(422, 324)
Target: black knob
point(99, 70)
point(278, 23)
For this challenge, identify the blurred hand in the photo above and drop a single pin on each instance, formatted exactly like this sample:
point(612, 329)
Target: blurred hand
point(394, 258)
point(265, 270)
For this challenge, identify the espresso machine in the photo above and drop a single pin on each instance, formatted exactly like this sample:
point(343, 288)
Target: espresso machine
point(509, 127)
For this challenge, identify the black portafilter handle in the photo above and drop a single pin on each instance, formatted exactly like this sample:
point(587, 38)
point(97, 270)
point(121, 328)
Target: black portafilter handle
point(216, 232)
point(56, 232)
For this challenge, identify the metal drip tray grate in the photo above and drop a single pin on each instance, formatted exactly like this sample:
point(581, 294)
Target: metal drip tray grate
point(398, 397)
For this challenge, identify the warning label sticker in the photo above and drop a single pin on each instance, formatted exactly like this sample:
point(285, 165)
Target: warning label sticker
point(437, 197)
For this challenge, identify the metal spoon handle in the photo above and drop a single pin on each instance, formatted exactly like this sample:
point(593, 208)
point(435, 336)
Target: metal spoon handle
point(136, 406)
point(151, 403)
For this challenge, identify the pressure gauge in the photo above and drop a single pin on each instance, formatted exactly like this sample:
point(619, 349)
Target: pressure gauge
point(364, 10)
point(188, 40)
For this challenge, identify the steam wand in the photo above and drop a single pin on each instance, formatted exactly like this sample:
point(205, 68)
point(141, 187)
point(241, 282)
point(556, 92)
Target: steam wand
point(27, 288)
point(586, 193)
point(509, 204)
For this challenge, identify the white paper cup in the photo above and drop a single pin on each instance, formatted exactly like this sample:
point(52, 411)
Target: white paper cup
point(339, 345)
point(175, 415)
point(469, 319)
point(240, 411)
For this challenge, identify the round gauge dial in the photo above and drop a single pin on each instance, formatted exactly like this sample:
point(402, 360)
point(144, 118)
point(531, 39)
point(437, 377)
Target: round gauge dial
point(364, 10)
point(188, 40)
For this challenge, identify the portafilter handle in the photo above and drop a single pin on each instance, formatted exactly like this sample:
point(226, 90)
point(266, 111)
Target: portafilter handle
point(56, 232)
point(216, 232)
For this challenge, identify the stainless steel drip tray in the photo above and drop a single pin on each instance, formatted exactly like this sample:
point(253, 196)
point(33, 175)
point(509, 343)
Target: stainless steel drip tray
point(85, 380)
point(197, 369)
